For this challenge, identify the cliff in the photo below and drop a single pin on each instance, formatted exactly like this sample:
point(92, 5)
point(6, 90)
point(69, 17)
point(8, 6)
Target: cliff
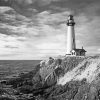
point(66, 78)
point(76, 78)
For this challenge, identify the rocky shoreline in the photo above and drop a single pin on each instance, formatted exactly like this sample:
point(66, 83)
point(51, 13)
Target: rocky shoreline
point(42, 83)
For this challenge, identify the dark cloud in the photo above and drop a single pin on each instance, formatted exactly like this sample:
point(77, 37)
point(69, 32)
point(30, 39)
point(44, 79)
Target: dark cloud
point(8, 32)
point(31, 7)
point(78, 6)
point(26, 3)
point(23, 6)
point(92, 9)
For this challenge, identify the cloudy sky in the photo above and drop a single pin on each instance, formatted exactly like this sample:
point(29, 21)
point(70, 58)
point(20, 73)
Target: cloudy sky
point(36, 29)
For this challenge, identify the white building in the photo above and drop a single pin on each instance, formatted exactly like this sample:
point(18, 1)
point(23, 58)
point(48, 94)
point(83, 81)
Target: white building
point(71, 44)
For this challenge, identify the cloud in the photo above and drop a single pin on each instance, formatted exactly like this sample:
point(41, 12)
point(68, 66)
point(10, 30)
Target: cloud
point(89, 30)
point(43, 32)
point(26, 2)
point(30, 8)
point(11, 47)
point(56, 19)
point(29, 39)
point(26, 7)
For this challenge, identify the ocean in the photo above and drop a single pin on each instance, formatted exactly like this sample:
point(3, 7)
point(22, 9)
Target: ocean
point(12, 68)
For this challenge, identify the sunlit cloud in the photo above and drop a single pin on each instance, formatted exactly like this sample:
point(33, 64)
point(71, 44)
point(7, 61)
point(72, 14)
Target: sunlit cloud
point(37, 29)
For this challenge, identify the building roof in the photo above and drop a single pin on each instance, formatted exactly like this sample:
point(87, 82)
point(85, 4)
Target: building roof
point(79, 50)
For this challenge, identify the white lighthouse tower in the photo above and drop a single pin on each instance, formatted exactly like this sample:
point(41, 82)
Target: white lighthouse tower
point(70, 35)
point(71, 44)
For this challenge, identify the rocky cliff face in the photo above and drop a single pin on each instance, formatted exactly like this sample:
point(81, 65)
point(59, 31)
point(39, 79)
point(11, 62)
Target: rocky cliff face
point(89, 68)
point(71, 68)
point(76, 78)
point(67, 78)
point(55, 70)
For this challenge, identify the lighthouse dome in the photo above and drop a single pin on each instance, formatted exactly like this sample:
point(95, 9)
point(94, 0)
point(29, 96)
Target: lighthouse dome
point(70, 17)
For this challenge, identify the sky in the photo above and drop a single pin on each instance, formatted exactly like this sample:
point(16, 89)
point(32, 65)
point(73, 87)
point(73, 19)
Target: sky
point(36, 29)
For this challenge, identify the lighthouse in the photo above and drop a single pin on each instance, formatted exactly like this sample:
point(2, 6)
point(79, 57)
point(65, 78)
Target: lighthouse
point(71, 44)
point(70, 35)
